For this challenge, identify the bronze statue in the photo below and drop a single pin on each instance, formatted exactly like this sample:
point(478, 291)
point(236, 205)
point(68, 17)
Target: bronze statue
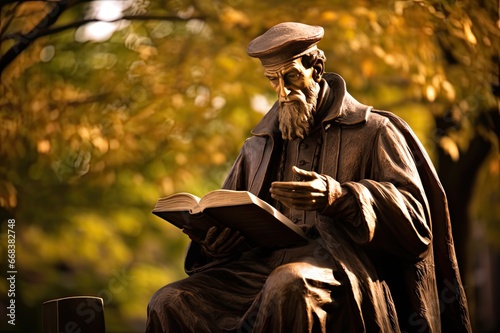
point(358, 182)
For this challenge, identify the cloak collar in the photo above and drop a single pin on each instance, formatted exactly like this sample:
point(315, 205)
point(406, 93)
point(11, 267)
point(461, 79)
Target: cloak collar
point(345, 110)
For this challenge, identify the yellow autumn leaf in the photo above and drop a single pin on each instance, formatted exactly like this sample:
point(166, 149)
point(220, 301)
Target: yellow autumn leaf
point(430, 93)
point(468, 33)
point(8, 195)
point(329, 15)
point(450, 147)
point(232, 17)
point(449, 90)
point(43, 146)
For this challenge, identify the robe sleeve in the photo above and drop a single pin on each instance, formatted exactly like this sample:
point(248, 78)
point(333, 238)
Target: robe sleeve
point(388, 210)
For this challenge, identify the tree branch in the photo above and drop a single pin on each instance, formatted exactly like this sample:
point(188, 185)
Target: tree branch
point(32, 35)
point(128, 17)
point(23, 40)
point(79, 23)
point(12, 13)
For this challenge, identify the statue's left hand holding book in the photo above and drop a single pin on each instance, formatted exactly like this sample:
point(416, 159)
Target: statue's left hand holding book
point(260, 223)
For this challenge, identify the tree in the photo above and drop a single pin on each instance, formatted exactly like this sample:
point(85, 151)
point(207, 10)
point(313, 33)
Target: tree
point(94, 131)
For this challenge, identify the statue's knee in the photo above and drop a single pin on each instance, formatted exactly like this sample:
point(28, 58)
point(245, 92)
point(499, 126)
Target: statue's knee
point(297, 276)
point(285, 278)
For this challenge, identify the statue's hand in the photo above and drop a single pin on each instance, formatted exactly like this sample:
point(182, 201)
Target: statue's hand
point(218, 244)
point(309, 194)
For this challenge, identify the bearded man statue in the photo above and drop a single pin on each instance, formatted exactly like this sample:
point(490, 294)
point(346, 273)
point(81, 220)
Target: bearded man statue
point(380, 256)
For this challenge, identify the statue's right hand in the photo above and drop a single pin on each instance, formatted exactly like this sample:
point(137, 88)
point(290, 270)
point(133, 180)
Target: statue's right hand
point(219, 244)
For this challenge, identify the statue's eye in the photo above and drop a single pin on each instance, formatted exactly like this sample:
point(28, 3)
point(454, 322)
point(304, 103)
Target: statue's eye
point(293, 76)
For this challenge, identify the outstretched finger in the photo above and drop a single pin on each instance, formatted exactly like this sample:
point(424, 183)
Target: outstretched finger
point(307, 175)
point(298, 194)
point(293, 186)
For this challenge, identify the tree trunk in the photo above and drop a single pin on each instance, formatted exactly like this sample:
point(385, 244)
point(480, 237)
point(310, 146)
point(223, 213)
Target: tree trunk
point(458, 179)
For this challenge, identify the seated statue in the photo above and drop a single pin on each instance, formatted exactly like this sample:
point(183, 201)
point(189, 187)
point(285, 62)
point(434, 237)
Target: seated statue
point(380, 256)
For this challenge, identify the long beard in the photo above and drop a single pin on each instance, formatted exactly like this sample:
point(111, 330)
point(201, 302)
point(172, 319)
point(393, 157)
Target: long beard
point(297, 118)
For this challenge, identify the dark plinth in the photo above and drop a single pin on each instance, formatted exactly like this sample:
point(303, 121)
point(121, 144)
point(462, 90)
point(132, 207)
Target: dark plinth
point(84, 314)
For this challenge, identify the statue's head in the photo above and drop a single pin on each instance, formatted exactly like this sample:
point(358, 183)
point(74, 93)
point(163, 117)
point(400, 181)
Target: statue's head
point(294, 66)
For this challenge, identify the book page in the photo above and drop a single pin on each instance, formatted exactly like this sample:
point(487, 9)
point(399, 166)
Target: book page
point(177, 202)
point(221, 198)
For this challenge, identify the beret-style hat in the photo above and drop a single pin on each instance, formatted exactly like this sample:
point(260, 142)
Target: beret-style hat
point(285, 42)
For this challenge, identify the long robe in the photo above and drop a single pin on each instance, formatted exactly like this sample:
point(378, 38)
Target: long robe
point(388, 242)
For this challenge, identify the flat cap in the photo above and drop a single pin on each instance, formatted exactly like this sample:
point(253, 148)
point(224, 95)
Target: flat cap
point(285, 42)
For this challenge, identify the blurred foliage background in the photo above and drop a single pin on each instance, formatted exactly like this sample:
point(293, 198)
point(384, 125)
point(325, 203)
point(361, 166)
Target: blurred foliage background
point(107, 105)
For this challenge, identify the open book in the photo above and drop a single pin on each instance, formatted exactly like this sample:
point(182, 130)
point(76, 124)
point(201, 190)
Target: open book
point(260, 223)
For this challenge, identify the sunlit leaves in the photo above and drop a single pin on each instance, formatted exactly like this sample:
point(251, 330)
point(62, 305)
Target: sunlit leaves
point(233, 18)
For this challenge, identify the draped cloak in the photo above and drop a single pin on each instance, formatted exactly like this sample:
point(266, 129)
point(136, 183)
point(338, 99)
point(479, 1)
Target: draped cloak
point(394, 241)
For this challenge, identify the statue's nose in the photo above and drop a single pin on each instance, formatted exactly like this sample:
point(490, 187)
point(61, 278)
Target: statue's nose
point(283, 91)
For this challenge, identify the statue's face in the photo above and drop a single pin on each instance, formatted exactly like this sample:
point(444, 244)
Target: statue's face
point(290, 80)
point(297, 96)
